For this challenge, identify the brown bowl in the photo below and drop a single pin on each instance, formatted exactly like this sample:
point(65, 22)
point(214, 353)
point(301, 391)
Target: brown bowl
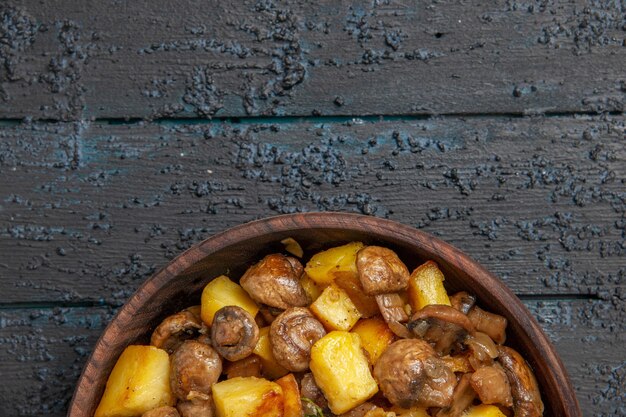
point(180, 284)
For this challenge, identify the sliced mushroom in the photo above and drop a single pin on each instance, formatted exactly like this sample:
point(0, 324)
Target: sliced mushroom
point(391, 307)
point(461, 399)
point(482, 350)
point(410, 374)
point(194, 367)
point(381, 271)
point(165, 411)
point(275, 281)
point(249, 366)
point(234, 333)
point(177, 328)
point(492, 324)
point(524, 389)
point(463, 301)
point(492, 385)
point(292, 335)
point(442, 326)
point(310, 390)
point(197, 407)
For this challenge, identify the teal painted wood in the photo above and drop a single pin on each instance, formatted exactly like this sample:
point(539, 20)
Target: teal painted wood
point(90, 210)
point(194, 58)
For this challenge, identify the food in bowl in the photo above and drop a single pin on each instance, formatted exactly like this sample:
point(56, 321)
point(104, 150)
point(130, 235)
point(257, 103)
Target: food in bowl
point(352, 332)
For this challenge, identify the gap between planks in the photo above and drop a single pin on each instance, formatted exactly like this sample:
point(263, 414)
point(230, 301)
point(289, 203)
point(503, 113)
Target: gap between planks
point(313, 118)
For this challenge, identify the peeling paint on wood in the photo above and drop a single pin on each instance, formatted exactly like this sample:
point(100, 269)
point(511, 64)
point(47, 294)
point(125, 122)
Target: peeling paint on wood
point(147, 59)
point(90, 210)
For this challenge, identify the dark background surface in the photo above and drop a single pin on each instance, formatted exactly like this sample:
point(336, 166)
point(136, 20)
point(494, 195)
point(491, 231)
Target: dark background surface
point(129, 132)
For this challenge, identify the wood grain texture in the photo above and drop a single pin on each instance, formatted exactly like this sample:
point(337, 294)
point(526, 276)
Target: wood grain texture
point(89, 210)
point(151, 59)
point(45, 350)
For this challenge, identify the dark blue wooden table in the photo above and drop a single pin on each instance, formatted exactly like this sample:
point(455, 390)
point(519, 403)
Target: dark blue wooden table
point(130, 131)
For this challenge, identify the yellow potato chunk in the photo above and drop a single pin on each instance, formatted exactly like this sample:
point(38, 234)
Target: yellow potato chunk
point(341, 370)
point(484, 410)
point(426, 287)
point(335, 309)
point(248, 397)
point(270, 368)
point(410, 412)
point(291, 396)
point(222, 292)
point(310, 287)
point(375, 336)
point(140, 381)
point(323, 265)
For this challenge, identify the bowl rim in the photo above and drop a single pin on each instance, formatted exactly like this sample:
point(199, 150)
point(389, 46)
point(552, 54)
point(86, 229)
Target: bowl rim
point(556, 376)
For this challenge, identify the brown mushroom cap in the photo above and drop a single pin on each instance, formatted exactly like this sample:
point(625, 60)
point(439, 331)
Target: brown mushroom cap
point(275, 281)
point(164, 411)
point(410, 374)
point(177, 328)
point(441, 325)
point(381, 271)
point(292, 335)
point(194, 367)
point(524, 389)
point(234, 333)
point(492, 386)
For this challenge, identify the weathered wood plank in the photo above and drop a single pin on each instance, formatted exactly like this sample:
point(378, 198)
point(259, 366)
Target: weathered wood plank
point(42, 353)
point(106, 59)
point(88, 211)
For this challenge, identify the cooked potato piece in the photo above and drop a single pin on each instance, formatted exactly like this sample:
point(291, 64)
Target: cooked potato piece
point(270, 368)
point(335, 309)
point(140, 381)
point(411, 412)
point(375, 336)
point(484, 410)
point(293, 247)
point(310, 287)
point(248, 397)
point(323, 265)
point(222, 292)
point(379, 412)
point(350, 283)
point(426, 287)
point(291, 396)
point(341, 371)
point(458, 363)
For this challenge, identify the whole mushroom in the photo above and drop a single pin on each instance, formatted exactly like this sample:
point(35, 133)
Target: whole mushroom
point(410, 374)
point(234, 333)
point(275, 281)
point(292, 335)
point(177, 328)
point(194, 367)
point(381, 271)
